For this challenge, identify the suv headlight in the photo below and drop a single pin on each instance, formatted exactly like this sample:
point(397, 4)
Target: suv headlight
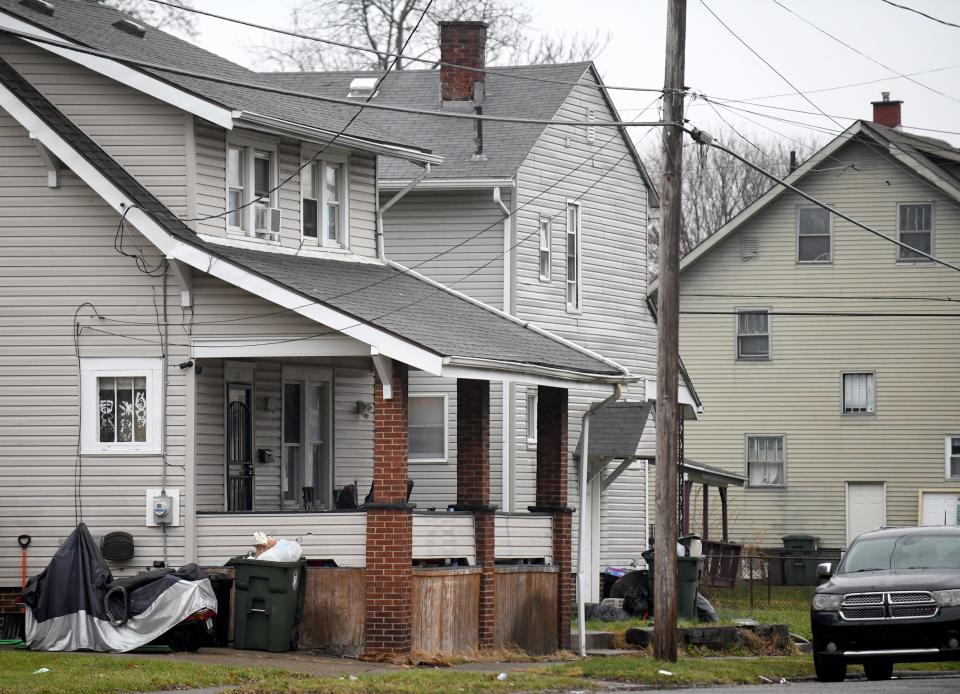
point(827, 602)
point(947, 598)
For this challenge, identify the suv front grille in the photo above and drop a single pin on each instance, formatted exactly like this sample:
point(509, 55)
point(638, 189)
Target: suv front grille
point(894, 605)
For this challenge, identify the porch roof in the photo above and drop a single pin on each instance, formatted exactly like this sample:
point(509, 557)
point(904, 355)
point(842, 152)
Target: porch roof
point(395, 311)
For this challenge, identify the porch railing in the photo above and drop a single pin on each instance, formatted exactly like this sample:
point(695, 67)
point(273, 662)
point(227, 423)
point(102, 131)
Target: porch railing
point(524, 536)
point(444, 535)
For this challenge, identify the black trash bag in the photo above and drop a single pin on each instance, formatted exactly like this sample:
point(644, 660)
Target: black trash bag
point(634, 588)
point(705, 611)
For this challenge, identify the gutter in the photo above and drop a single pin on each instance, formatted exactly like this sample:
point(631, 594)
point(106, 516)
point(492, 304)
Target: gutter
point(382, 209)
point(452, 184)
point(582, 481)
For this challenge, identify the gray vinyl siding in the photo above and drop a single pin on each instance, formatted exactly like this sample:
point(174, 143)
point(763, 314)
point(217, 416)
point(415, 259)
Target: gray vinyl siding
point(210, 152)
point(798, 391)
point(145, 135)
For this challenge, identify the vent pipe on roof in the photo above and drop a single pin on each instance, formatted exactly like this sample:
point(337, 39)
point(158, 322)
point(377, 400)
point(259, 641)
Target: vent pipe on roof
point(462, 44)
point(39, 6)
point(130, 27)
point(886, 112)
point(793, 160)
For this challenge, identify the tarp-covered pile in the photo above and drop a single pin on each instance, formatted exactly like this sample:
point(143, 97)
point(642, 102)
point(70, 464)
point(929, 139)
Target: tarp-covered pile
point(68, 609)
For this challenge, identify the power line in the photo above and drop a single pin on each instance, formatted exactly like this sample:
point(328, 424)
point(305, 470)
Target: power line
point(703, 139)
point(923, 14)
point(862, 54)
point(262, 87)
point(829, 314)
point(820, 297)
point(388, 54)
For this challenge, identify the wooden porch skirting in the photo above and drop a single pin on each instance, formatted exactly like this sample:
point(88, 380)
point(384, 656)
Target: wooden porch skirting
point(446, 609)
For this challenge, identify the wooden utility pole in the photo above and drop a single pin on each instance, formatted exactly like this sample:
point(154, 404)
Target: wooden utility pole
point(668, 342)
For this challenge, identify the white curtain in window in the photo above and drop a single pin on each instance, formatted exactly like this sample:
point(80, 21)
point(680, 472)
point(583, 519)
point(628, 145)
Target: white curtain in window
point(858, 393)
point(765, 460)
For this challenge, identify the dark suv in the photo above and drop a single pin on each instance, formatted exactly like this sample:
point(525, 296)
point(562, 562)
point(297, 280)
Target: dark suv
point(895, 597)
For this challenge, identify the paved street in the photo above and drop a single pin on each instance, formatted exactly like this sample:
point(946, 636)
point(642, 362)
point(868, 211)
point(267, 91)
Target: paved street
point(925, 685)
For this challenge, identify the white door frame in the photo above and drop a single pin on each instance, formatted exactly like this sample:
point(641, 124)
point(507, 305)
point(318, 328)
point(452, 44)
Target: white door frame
point(846, 504)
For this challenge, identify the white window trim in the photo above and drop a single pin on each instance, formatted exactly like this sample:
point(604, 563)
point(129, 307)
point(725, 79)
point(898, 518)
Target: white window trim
point(843, 404)
point(946, 456)
point(918, 262)
point(578, 307)
point(446, 429)
point(545, 244)
point(736, 334)
point(829, 234)
point(746, 460)
point(532, 398)
point(250, 144)
point(92, 368)
point(331, 157)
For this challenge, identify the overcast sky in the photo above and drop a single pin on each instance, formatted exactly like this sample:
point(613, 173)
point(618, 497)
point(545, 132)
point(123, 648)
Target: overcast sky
point(719, 65)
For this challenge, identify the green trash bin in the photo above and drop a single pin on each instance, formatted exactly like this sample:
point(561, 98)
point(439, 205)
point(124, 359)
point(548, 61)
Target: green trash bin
point(688, 581)
point(268, 604)
point(800, 560)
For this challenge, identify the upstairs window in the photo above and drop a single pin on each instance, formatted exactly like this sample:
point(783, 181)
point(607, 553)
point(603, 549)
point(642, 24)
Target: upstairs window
point(952, 452)
point(545, 258)
point(236, 180)
point(322, 198)
point(814, 244)
point(427, 428)
point(263, 184)
point(573, 256)
point(753, 335)
point(859, 393)
point(914, 228)
point(766, 461)
point(251, 179)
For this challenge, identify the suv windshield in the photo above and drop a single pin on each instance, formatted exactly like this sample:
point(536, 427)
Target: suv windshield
point(917, 551)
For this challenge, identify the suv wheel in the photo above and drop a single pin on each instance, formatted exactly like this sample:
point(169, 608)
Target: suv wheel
point(879, 670)
point(829, 671)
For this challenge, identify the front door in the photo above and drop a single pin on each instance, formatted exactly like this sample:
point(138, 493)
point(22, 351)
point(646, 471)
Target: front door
point(307, 471)
point(239, 447)
point(866, 508)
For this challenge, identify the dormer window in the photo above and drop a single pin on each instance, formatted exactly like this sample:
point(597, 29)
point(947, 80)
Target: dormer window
point(323, 196)
point(251, 180)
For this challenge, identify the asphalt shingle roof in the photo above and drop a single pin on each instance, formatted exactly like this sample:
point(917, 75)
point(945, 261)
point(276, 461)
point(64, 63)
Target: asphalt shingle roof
point(615, 431)
point(395, 301)
point(507, 93)
point(91, 25)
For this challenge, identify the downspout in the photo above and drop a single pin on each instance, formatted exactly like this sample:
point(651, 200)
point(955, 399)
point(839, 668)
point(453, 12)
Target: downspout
point(382, 209)
point(584, 470)
point(506, 389)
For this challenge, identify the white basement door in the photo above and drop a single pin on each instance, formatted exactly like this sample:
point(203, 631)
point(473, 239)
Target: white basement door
point(866, 508)
point(939, 508)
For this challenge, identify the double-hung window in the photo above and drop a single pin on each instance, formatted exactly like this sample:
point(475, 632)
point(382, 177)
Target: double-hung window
point(952, 454)
point(753, 335)
point(251, 182)
point(427, 428)
point(574, 270)
point(813, 235)
point(263, 184)
point(323, 197)
point(545, 258)
point(859, 393)
point(915, 229)
point(121, 402)
point(766, 460)
point(236, 182)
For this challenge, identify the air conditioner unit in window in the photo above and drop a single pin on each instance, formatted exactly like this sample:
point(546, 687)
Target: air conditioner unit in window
point(266, 222)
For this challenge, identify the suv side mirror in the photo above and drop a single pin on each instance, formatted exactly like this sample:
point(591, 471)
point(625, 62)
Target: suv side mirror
point(824, 571)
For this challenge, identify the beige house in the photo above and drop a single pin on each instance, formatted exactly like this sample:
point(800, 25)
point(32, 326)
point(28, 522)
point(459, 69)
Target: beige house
point(828, 356)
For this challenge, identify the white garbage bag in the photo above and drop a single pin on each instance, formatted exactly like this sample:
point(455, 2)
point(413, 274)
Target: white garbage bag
point(284, 550)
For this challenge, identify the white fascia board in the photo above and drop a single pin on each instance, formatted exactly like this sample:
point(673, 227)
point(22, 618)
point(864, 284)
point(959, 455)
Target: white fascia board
point(277, 346)
point(278, 126)
point(124, 74)
point(761, 203)
point(450, 184)
point(205, 262)
point(684, 397)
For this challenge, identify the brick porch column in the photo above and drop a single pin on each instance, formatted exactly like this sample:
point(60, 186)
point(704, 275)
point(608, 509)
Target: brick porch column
point(389, 572)
point(473, 489)
point(552, 492)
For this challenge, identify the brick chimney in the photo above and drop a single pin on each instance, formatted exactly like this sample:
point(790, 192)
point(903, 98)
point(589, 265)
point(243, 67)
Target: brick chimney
point(886, 112)
point(462, 43)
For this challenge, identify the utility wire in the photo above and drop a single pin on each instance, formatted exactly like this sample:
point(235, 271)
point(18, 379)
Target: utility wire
point(828, 314)
point(820, 297)
point(923, 14)
point(862, 54)
point(701, 138)
point(396, 56)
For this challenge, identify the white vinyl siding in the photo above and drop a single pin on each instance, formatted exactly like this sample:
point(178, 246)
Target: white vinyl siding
point(814, 237)
point(859, 393)
point(915, 228)
point(753, 334)
point(766, 460)
point(952, 457)
point(546, 258)
point(427, 426)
